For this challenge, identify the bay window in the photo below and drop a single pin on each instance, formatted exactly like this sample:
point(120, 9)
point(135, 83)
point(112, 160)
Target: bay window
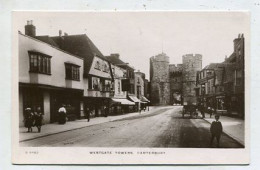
point(39, 62)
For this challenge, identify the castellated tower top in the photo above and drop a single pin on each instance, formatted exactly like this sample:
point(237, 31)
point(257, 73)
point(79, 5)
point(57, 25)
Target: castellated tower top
point(161, 58)
point(192, 57)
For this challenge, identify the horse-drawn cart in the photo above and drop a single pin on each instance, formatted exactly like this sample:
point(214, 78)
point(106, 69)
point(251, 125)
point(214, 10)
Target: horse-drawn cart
point(190, 107)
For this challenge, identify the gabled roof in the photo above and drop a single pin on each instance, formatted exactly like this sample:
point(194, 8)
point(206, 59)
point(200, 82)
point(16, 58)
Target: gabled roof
point(79, 45)
point(223, 71)
point(116, 61)
point(213, 66)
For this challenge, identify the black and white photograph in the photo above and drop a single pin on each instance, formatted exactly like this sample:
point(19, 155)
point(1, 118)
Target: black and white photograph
point(131, 83)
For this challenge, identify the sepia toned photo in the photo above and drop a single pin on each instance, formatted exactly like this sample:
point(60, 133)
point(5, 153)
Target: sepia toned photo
point(137, 87)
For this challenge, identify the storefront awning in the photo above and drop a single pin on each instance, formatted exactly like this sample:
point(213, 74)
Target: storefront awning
point(144, 99)
point(134, 99)
point(123, 101)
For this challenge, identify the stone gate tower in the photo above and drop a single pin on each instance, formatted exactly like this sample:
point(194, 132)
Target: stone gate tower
point(160, 80)
point(191, 64)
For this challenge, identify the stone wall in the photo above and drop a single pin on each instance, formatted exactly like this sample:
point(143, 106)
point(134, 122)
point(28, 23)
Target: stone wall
point(160, 84)
point(191, 64)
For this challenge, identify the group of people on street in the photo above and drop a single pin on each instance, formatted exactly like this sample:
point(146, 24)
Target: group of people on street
point(33, 119)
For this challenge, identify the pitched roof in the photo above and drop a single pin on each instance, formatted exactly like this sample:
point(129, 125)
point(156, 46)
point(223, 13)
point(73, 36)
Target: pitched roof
point(114, 60)
point(47, 39)
point(223, 71)
point(80, 45)
point(117, 61)
point(213, 66)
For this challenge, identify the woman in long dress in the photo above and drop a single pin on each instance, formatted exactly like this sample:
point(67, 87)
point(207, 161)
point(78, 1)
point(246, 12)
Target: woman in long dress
point(29, 119)
point(38, 119)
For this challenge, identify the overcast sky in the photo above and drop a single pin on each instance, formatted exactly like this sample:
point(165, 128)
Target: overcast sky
point(137, 36)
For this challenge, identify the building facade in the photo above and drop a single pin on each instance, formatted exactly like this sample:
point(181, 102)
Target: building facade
point(122, 104)
point(48, 78)
point(221, 85)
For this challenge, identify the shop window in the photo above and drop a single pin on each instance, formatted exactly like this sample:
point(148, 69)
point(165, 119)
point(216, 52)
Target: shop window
point(39, 63)
point(72, 71)
point(106, 85)
point(95, 83)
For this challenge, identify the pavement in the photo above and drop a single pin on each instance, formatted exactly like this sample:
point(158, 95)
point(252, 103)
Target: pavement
point(55, 128)
point(233, 127)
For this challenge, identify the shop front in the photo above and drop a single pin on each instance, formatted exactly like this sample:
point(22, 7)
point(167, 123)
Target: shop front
point(121, 105)
point(70, 99)
point(49, 99)
point(137, 102)
point(98, 105)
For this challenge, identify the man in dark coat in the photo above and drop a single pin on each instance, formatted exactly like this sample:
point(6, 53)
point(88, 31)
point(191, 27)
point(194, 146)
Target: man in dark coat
point(216, 130)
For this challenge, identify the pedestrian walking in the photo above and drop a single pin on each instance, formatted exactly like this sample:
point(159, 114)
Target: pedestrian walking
point(210, 111)
point(216, 130)
point(106, 111)
point(201, 109)
point(29, 119)
point(87, 112)
point(62, 115)
point(38, 116)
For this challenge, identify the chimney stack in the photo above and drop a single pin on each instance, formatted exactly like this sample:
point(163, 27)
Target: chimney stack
point(60, 33)
point(30, 29)
point(115, 55)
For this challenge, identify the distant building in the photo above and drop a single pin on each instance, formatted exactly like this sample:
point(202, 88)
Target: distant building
point(174, 84)
point(123, 105)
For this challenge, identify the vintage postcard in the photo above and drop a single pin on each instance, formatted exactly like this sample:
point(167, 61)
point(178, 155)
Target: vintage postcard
point(157, 87)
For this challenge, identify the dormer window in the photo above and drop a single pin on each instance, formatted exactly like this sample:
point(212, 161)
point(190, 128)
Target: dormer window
point(105, 68)
point(72, 71)
point(138, 80)
point(39, 62)
point(97, 65)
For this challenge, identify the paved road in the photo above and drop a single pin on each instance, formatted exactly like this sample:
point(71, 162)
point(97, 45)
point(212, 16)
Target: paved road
point(162, 128)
